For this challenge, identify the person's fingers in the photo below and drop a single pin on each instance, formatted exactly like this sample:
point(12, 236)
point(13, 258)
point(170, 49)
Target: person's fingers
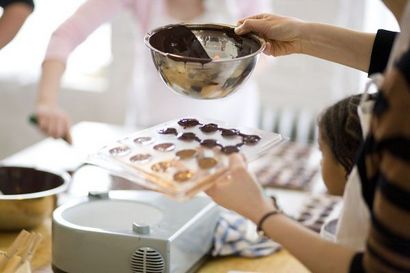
point(260, 26)
point(52, 128)
point(61, 125)
point(257, 16)
point(237, 161)
point(268, 48)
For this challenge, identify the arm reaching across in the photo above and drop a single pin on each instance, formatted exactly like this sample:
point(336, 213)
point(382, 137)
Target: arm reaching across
point(287, 35)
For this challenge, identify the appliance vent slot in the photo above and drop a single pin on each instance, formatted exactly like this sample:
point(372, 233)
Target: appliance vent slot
point(147, 260)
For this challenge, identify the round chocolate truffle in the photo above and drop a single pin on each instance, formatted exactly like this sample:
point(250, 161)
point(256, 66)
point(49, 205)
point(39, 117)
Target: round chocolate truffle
point(209, 143)
point(164, 147)
point(143, 140)
point(168, 131)
point(186, 154)
point(251, 139)
point(209, 128)
point(120, 150)
point(230, 149)
point(183, 176)
point(207, 162)
point(140, 158)
point(229, 132)
point(187, 136)
point(188, 122)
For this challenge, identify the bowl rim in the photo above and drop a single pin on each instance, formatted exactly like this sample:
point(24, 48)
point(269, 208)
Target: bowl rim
point(200, 60)
point(63, 174)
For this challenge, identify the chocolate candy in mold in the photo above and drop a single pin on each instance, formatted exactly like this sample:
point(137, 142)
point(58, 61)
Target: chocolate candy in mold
point(209, 128)
point(209, 143)
point(207, 163)
point(183, 176)
point(165, 147)
point(186, 154)
point(230, 149)
point(143, 140)
point(187, 136)
point(120, 150)
point(229, 132)
point(140, 158)
point(188, 122)
point(168, 131)
point(250, 139)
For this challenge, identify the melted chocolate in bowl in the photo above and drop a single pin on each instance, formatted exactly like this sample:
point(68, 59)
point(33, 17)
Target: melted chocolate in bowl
point(181, 41)
point(227, 60)
point(19, 180)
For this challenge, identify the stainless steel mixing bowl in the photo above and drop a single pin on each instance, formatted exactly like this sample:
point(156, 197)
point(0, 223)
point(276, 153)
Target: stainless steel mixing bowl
point(28, 196)
point(233, 59)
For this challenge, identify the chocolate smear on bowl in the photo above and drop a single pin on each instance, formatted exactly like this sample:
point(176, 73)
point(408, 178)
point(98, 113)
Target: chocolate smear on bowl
point(168, 131)
point(161, 166)
point(187, 136)
point(250, 139)
point(188, 122)
point(140, 158)
point(143, 140)
point(209, 128)
point(186, 154)
point(230, 149)
point(207, 162)
point(209, 143)
point(120, 150)
point(179, 40)
point(165, 147)
point(183, 176)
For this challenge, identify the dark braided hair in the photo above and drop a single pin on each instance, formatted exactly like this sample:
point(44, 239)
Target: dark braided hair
point(339, 127)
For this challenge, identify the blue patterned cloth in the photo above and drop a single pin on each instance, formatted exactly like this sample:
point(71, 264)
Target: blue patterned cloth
point(236, 235)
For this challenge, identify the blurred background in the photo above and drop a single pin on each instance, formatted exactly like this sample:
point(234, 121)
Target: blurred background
point(294, 89)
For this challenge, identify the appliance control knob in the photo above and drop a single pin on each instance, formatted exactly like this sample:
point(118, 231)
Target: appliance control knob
point(141, 228)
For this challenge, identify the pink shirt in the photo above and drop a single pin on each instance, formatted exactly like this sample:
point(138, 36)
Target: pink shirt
point(148, 14)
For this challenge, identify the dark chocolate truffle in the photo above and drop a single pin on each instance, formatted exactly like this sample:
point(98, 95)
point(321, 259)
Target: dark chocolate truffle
point(209, 128)
point(229, 132)
point(209, 143)
point(251, 139)
point(168, 131)
point(187, 136)
point(188, 122)
point(230, 149)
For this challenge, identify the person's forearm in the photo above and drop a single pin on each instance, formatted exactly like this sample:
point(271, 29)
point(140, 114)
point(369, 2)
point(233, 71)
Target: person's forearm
point(52, 72)
point(317, 254)
point(343, 46)
point(12, 20)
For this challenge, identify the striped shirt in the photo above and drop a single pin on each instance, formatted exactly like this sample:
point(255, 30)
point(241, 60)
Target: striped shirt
point(384, 168)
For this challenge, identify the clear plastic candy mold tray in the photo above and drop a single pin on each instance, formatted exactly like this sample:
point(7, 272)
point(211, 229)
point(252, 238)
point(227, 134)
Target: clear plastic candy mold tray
point(181, 157)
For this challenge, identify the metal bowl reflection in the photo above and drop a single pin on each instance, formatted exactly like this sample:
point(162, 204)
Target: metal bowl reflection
point(28, 196)
point(233, 59)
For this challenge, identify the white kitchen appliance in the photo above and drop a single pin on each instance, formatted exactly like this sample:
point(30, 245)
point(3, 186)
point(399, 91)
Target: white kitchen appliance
point(132, 231)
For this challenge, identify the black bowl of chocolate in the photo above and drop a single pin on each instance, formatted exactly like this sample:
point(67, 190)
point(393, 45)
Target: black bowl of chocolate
point(203, 61)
